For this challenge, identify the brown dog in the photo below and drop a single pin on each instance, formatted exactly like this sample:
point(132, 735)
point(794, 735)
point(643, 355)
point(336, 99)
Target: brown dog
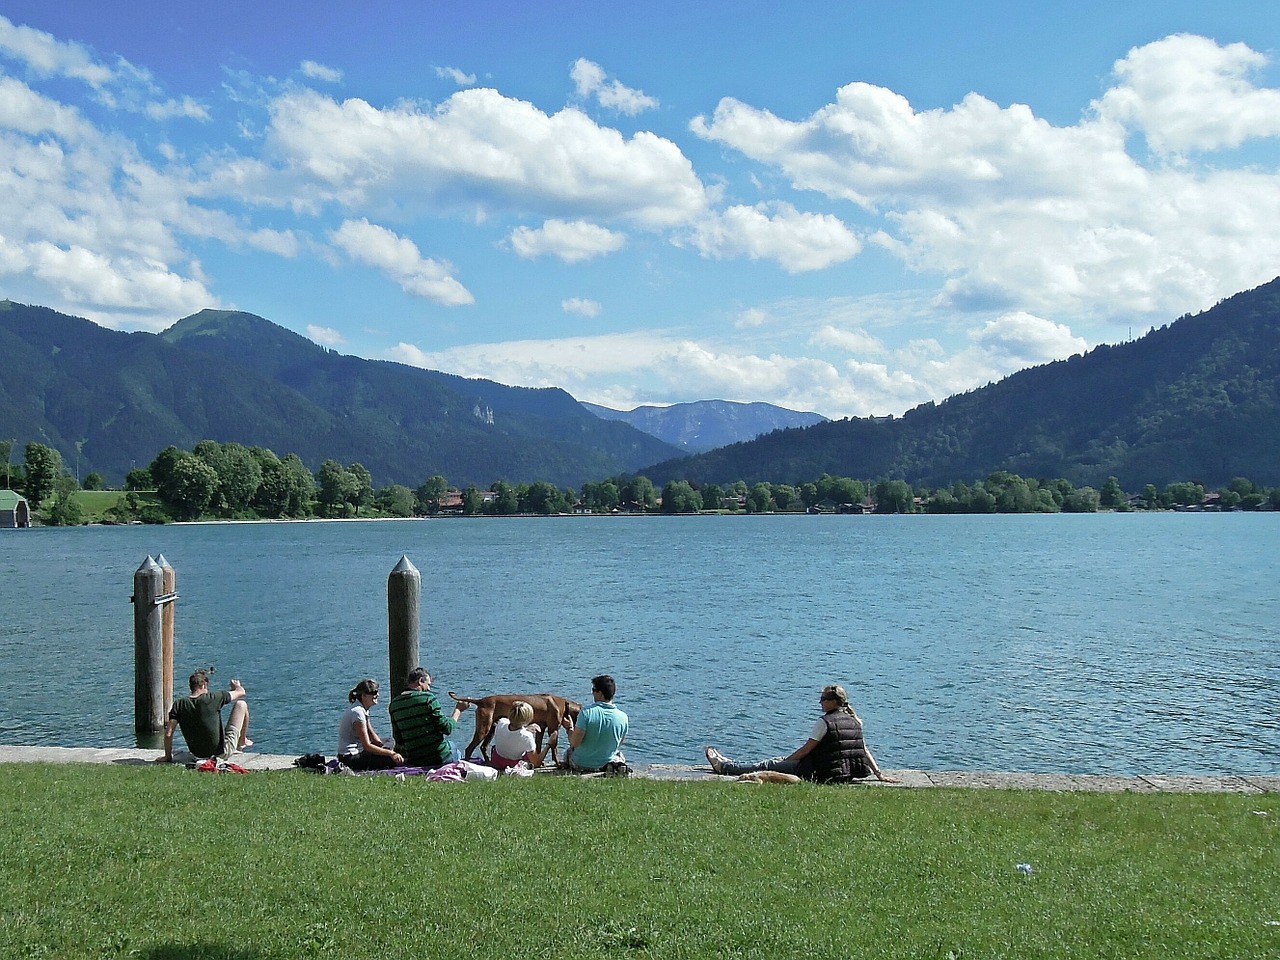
point(548, 713)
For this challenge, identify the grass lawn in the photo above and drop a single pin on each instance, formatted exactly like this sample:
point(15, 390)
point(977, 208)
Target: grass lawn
point(96, 503)
point(163, 863)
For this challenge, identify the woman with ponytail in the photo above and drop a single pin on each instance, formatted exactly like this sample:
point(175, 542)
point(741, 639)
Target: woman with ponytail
point(834, 753)
point(359, 746)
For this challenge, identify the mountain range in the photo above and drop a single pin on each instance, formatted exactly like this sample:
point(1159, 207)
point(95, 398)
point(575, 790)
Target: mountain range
point(706, 424)
point(110, 401)
point(1197, 399)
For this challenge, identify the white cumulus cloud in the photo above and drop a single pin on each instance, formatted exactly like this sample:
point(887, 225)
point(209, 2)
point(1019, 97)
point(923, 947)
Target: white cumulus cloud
point(1018, 212)
point(572, 242)
point(798, 241)
point(478, 150)
point(120, 86)
point(591, 81)
point(113, 288)
point(846, 370)
point(47, 56)
point(625, 370)
point(399, 258)
point(853, 341)
point(1188, 93)
point(457, 76)
point(183, 107)
point(318, 71)
point(581, 305)
point(1000, 347)
point(89, 226)
point(1026, 339)
point(326, 336)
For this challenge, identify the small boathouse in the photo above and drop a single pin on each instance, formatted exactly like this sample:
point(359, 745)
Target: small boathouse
point(14, 511)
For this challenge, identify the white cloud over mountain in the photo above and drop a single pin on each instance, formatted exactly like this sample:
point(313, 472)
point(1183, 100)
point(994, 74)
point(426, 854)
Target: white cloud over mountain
point(1188, 94)
point(399, 258)
point(1014, 210)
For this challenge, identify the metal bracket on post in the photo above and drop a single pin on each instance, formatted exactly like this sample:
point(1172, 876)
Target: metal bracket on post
point(165, 598)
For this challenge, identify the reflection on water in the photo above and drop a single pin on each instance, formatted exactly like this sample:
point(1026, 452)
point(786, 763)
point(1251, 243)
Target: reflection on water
point(1098, 644)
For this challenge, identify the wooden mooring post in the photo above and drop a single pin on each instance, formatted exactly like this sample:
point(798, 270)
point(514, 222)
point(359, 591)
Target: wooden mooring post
point(151, 698)
point(170, 613)
point(404, 621)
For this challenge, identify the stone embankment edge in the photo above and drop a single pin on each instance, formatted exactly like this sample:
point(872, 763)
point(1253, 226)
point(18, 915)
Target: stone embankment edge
point(908, 778)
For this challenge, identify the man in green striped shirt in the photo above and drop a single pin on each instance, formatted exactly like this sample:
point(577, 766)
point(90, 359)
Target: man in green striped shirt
point(420, 728)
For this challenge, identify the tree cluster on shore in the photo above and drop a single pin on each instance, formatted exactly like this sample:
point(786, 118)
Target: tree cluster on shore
point(231, 481)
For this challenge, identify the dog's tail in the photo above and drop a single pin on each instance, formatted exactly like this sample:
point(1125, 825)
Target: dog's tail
point(469, 700)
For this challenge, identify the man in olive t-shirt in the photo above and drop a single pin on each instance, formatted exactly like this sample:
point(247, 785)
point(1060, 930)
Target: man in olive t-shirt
point(200, 717)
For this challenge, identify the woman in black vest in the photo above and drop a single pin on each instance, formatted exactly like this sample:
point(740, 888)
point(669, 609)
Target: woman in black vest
point(834, 753)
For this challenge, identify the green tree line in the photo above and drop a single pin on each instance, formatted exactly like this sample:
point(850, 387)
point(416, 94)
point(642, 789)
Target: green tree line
point(231, 481)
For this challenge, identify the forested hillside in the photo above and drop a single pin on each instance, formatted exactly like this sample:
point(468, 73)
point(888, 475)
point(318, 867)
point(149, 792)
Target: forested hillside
point(1198, 399)
point(109, 401)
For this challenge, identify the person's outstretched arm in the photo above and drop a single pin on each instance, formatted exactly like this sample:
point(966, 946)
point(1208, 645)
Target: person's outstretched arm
point(535, 758)
point(877, 772)
point(803, 750)
point(169, 727)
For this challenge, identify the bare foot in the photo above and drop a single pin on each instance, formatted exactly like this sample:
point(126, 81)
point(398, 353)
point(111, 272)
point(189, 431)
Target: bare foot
point(246, 744)
point(716, 759)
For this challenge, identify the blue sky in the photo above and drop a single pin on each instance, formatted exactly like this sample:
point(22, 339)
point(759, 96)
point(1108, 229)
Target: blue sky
point(850, 208)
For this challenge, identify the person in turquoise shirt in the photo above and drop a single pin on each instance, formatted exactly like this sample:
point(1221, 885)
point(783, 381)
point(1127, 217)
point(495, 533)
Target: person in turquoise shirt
point(596, 739)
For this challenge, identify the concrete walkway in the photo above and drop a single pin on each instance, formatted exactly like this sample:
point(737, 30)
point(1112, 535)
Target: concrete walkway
point(663, 771)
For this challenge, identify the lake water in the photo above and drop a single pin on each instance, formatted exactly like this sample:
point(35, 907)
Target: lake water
point(1125, 644)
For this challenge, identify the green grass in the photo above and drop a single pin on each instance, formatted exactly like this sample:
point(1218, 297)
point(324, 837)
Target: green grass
point(164, 863)
point(96, 503)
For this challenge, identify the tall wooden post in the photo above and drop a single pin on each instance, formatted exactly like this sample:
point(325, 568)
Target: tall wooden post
point(148, 630)
point(404, 621)
point(167, 618)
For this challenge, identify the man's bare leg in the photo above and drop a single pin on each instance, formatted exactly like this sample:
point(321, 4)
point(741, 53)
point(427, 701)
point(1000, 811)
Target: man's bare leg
point(239, 718)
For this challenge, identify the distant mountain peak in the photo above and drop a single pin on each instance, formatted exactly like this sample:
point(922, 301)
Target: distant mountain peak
point(703, 425)
point(232, 324)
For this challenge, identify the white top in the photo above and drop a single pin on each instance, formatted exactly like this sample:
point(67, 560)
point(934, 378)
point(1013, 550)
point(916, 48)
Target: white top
point(513, 744)
point(348, 739)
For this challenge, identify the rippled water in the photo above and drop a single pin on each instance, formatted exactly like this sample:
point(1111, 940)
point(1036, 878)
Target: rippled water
point(1099, 644)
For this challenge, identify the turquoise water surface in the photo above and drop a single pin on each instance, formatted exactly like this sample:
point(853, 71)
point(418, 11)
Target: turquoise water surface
point(1126, 644)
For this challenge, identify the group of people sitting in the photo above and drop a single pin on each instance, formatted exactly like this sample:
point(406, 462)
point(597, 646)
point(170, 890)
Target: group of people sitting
point(835, 751)
point(420, 731)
